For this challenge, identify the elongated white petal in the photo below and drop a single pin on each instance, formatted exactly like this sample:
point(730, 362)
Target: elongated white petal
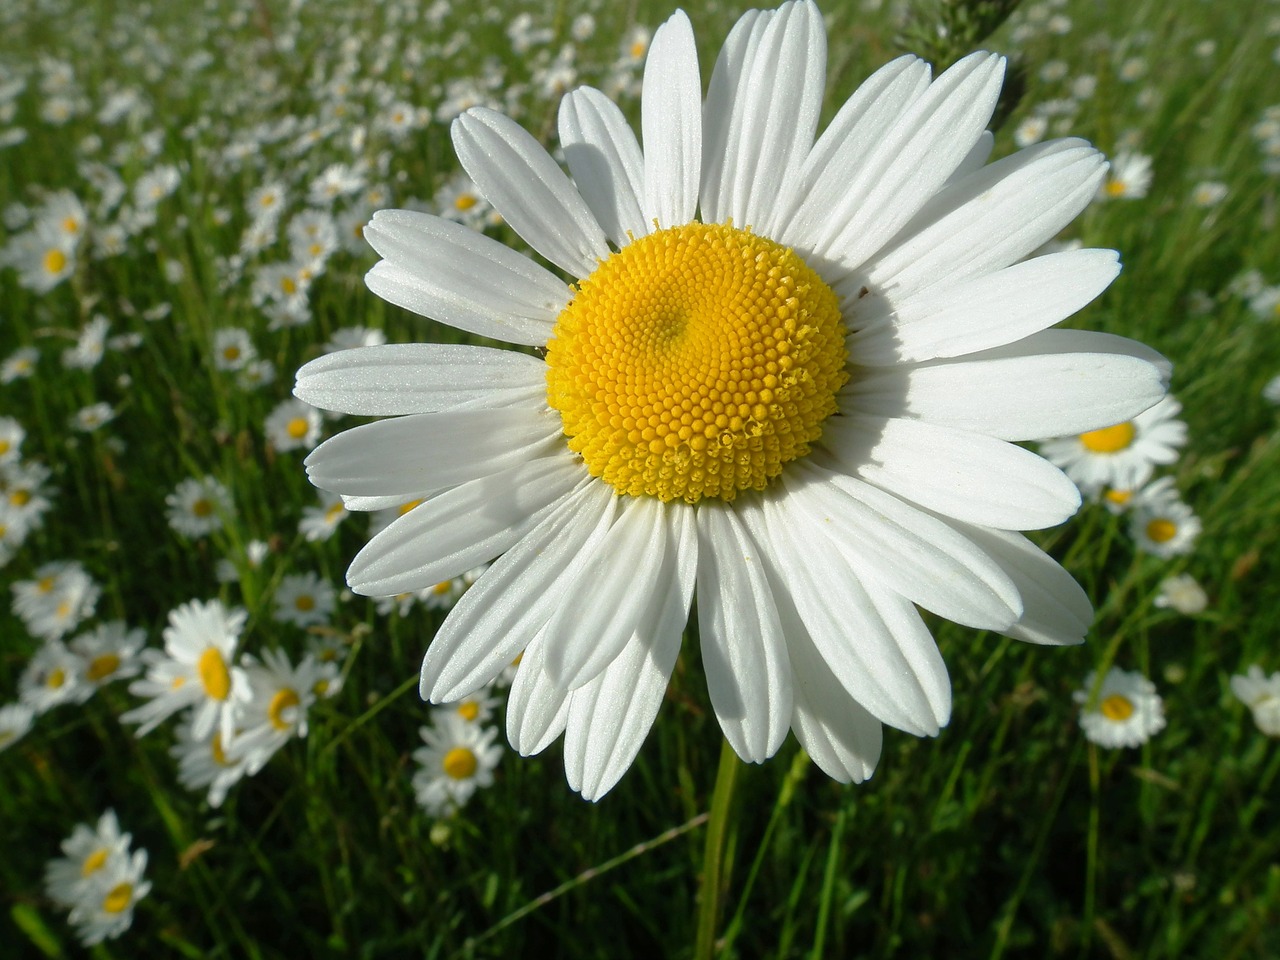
point(818, 594)
point(423, 453)
point(867, 205)
point(1057, 610)
point(968, 476)
point(398, 378)
point(537, 708)
point(671, 124)
point(610, 717)
point(618, 584)
point(905, 549)
point(983, 312)
point(501, 613)
point(717, 111)
point(517, 175)
point(430, 266)
point(743, 651)
point(604, 157)
point(771, 118)
point(462, 528)
point(988, 220)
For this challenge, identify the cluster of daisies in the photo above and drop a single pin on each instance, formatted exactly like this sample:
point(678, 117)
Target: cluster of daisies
point(24, 491)
point(99, 879)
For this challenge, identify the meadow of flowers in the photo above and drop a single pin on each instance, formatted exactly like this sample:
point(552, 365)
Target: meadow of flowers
point(212, 739)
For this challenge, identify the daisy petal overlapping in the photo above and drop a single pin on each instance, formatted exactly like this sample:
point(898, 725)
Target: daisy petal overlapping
point(807, 585)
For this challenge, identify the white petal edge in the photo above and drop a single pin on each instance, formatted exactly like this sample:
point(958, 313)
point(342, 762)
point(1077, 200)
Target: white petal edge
point(671, 124)
point(604, 158)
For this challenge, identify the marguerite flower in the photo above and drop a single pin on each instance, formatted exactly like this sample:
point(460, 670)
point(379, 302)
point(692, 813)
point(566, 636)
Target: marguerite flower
point(85, 855)
point(1125, 710)
point(1261, 694)
point(205, 762)
point(786, 376)
point(457, 758)
point(106, 910)
point(198, 506)
point(1124, 455)
point(277, 707)
point(15, 723)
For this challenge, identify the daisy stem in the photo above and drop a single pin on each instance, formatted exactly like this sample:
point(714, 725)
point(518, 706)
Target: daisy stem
point(713, 861)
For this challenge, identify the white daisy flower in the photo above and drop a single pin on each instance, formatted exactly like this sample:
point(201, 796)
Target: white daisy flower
point(90, 346)
point(320, 521)
point(205, 762)
point(109, 652)
point(1129, 177)
point(458, 758)
point(1261, 694)
point(61, 596)
point(304, 599)
point(1163, 525)
point(85, 857)
point(51, 678)
point(787, 375)
point(277, 707)
point(477, 708)
point(1182, 593)
point(90, 418)
point(15, 723)
point(12, 433)
point(107, 908)
point(1271, 391)
point(198, 506)
point(195, 670)
point(232, 349)
point(293, 425)
point(1122, 456)
point(1209, 193)
point(1125, 711)
point(19, 365)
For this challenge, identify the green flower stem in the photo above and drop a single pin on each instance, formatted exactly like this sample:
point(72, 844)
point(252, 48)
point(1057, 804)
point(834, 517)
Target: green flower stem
point(713, 884)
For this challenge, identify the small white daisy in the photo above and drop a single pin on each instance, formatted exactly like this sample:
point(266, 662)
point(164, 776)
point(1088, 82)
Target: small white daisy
point(15, 723)
point(276, 711)
point(1129, 177)
point(458, 758)
point(109, 652)
point(232, 349)
point(51, 678)
point(304, 599)
point(1182, 593)
point(61, 596)
point(85, 854)
point(106, 911)
point(198, 506)
point(293, 425)
point(1161, 524)
point(320, 521)
point(1125, 711)
point(205, 762)
point(1122, 456)
point(1261, 694)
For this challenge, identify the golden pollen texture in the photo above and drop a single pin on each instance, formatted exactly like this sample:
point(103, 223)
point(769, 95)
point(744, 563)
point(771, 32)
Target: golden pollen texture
point(1108, 439)
point(1116, 707)
point(460, 763)
point(695, 362)
point(214, 674)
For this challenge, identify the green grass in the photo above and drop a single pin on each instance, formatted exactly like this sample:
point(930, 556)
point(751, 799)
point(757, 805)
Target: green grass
point(1006, 836)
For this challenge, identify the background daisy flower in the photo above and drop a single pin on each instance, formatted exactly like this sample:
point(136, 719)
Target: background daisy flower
point(1124, 711)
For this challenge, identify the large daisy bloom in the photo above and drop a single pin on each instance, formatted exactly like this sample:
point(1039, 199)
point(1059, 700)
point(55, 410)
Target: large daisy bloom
point(785, 375)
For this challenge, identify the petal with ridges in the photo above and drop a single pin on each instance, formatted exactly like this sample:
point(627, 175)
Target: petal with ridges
point(537, 708)
point(604, 157)
point(727, 75)
point(671, 124)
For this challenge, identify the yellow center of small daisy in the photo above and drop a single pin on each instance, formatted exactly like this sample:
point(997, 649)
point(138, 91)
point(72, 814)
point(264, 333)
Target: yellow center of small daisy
point(1161, 530)
point(288, 285)
point(102, 666)
point(696, 362)
point(94, 862)
point(297, 428)
point(469, 710)
point(55, 261)
point(1119, 498)
point(45, 584)
point(465, 201)
point(443, 587)
point(202, 508)
point(5, 446)
point(1108, 439)
point(231, 353)
point(1116, 708)
point(460, 763)
point(56, 678)
point(320, 688)
point(20, 498)
point(215, 748)
point(1116, 188)
point(305, 602)
point(282, 701)
point(214, 674)
point(118, 898)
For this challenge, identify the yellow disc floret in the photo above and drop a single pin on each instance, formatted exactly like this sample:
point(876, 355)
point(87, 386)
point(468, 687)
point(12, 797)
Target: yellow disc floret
point(695, 362)
point(1116, 707)
point(1109, 439)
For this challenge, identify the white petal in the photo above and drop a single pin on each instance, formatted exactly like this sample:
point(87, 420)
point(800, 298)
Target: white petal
point(604, 157)
point(1057, 610)
point(820, 596)
point(990, 219)
point(501, 612)
point(869, 204)
point(517, 175)
point(462, 528)
point(610, 717)
point(978, 313)
point(398, 378)
point(1032, 390)
point(905, 549)
point(432, 267)
point(772, 117)
point(671, 124)
point(743, 651)
point(968, 476)
point(537, 708)
point(717, 111)
point(617, 586)
point(420, 454)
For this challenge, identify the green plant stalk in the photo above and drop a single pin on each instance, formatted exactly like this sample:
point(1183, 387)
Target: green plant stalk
point(713, 884)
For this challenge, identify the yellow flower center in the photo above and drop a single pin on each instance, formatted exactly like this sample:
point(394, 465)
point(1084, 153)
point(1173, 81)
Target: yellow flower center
point(297, 428)
point(45, 584)
point(118, 899)
point(215, 748)
point(202, 507)
point(289, 285)
point(305, 602)
point(1108, 439)
point(1118, 498)
point(102, 666)
point(214, 674)
point(460, 763)
point(1161, 530)
point(5, 446)
point(56, 678)
point(1116, 708)
point(320, 688)
point(441, 588)
point(1116, 188)
point(335, 511)
point(20, 498)
point(406, 507)
point(465, 201)
point(231, 353)
point(55, 261)
point(70, 225)
point(94, 862)
point(283, 700)
point(468, 710)
point(695, 362)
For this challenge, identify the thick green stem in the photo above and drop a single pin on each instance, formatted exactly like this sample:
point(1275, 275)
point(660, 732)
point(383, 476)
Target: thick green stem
point(713, 884)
